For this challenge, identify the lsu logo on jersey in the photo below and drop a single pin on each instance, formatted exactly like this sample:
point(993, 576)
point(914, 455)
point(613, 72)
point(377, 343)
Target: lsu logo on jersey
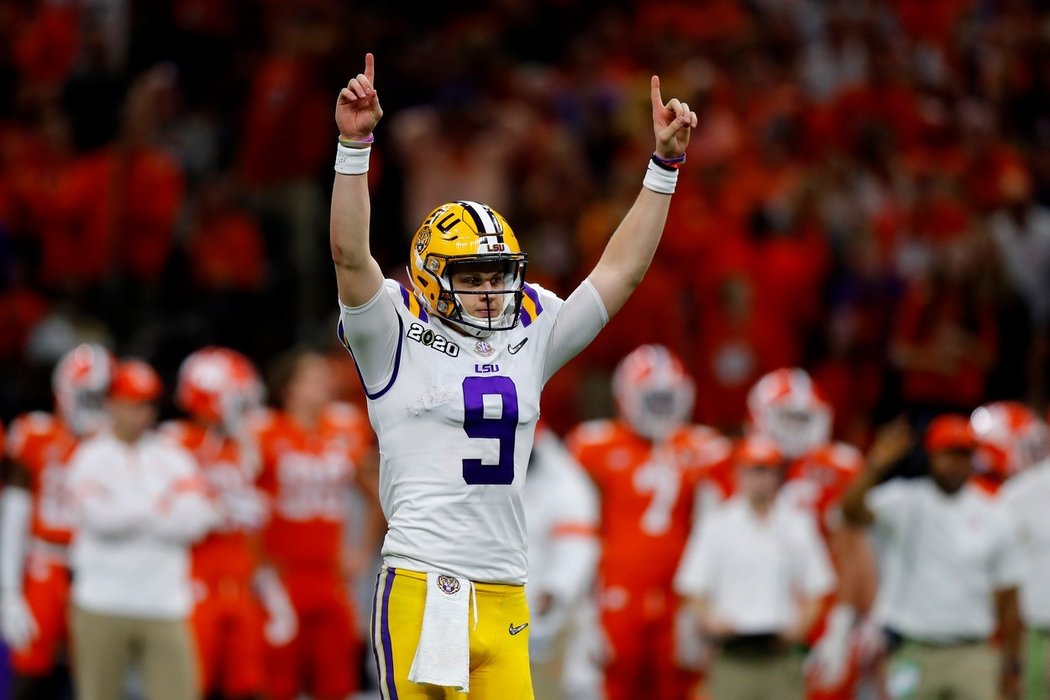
point(433, 340)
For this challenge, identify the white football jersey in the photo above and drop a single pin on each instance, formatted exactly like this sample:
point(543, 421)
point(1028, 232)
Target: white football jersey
point(455, 416)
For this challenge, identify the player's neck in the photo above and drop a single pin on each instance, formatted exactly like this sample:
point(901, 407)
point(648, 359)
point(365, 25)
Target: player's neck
point(307, 417)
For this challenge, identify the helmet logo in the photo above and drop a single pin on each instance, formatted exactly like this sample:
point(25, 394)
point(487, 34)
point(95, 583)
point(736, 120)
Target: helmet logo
point(446, 224)
point(422, 240)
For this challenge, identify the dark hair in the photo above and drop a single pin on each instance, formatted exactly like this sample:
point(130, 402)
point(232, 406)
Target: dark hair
point(281, 371)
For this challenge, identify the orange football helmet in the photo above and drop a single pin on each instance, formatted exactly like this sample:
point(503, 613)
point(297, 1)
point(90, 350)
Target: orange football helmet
point(80, 381)
point(135, 380)
point(218, 385)
point(787, 406)
point(653, 392)
point(1010, 438)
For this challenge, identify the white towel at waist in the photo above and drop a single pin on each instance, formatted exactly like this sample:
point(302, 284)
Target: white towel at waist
point(443, 653)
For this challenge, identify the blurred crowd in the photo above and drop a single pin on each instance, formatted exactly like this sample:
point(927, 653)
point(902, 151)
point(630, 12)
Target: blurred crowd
point(865, 196)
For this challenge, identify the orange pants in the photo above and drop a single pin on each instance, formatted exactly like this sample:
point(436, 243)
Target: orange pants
point(228, 626)
point(642, 663)
point(324, 657)
point(46, 589)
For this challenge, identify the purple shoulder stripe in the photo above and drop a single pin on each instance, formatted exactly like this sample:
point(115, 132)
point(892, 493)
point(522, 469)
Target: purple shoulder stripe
point(531, 293)
point(397, 359)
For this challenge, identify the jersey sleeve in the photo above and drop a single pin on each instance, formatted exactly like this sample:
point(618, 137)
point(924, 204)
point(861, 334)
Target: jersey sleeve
point(585, 443)
point(26, 437)
point(372, 334)
point(576, 323)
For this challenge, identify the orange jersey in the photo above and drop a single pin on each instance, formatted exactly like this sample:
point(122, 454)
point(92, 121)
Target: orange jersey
point(42, 445)
point(226, 552)
point(818, 480)
point(306, 475)
point(647, 496)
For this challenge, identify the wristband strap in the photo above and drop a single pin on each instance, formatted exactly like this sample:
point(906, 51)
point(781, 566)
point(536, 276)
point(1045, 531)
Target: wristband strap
point(660, 179)
point(351, 161)
point(669, 163)
point(358, 143)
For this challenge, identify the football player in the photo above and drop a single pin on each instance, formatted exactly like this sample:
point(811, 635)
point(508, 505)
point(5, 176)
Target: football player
point(787, 406)
point(312, 451)
point(1010, 439)
point(648, 466)
point(452, 368)
point(36, 518)
point(216, 388)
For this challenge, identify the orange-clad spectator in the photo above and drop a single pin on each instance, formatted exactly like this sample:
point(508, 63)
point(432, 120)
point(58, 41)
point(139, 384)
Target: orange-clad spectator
point(281, 142)
point(986, 156)
point(648, 466)
point(885, 104)
point(655, 314)
point(118, 208)
point(737, 344)
point(20, 309)
point(217, 387)
point(933, 21)
point(45, 46)
point(945, 341)
point(36, 518)
point(312, 452)
point(225, 245)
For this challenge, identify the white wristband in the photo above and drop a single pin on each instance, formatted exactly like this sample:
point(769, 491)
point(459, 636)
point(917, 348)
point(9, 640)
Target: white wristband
point(660, 179)
point(351, 161)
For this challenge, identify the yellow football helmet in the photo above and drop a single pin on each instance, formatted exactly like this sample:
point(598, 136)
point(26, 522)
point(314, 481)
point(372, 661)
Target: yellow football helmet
point(454, 238)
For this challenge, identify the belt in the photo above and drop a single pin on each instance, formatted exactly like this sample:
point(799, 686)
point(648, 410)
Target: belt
point(753, 645)
point(946, 643)
point(52, 551)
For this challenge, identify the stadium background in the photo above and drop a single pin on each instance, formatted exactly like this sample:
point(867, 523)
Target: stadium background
point(864, 196)
point(166, 168)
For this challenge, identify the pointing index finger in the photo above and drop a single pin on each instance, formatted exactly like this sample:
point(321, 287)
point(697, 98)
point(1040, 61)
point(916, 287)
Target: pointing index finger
point(654, 92)
point(370, 69)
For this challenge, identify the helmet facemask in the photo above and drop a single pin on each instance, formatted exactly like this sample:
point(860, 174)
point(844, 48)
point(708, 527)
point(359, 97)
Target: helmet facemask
point(491, 287)
point(657, 412)
point(798, 429)
point(452, 239)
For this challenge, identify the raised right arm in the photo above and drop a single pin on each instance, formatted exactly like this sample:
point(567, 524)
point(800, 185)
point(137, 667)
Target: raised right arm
point(357, 112)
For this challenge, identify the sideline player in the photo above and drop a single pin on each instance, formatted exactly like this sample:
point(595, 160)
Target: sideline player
point(453, 370)
point(217, 388)
point(312, 451)
point(36, 518)
point(648, 466)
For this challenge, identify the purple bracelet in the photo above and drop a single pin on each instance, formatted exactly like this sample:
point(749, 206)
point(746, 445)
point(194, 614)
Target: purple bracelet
point(348, 142)
point(669, 163)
